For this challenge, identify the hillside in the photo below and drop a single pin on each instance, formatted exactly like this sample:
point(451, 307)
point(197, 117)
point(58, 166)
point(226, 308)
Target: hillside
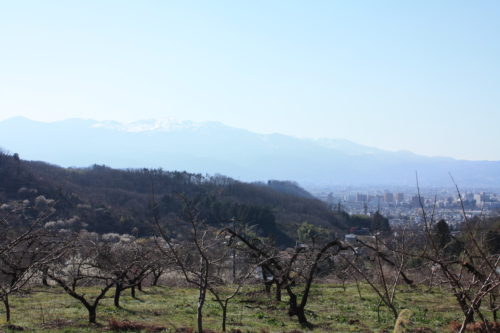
point(111, 200)
point(218, 149)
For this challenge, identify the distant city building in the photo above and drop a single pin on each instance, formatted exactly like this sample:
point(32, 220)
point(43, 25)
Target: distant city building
point(477, 198)
point(481, 199)
point(388, 197)
point(361, 197)
point(415, 201)
point(400, 197)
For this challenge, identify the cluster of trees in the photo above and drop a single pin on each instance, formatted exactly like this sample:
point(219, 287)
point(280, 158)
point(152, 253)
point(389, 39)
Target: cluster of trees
point(34, 251)
point(111, 200)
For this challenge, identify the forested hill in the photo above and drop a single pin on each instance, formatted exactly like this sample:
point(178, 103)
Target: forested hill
point(102, 199)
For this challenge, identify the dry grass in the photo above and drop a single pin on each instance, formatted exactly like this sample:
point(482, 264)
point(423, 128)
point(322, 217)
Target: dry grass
point(126, 325)
point(478, 327)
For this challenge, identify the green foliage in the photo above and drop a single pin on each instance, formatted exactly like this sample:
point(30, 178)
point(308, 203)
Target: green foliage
point(493, 236)
point(380, 223)
point(442, 234)
point(360, 221)
point(311, 234)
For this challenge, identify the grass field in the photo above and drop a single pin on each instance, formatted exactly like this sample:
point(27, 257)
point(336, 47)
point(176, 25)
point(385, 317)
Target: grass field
point(330, 309)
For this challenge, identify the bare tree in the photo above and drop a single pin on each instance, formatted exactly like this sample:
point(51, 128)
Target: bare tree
point(159, 263)
point(463, 264)
point(472, 274)
point(382, 269)
point(198, 258)
point(307, 269)
point(19, 265)
point(223, 291)
point(288, 266)
point(24, 246)
point(79, 268)
point(128, 261)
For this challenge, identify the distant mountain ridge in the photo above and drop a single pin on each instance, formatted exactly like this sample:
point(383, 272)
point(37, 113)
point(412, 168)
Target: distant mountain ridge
point(216, 148)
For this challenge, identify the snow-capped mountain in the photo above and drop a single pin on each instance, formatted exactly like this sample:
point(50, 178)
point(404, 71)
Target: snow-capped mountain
point(165, 125)
point(212, 148)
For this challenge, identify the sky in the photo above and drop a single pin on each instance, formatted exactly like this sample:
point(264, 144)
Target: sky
point(422, 76)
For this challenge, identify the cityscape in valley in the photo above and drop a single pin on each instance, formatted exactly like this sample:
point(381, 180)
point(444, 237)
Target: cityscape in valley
point(323, 166)
point(404, 206)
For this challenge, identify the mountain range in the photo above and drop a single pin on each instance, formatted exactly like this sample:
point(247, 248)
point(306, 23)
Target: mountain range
point(214, 148)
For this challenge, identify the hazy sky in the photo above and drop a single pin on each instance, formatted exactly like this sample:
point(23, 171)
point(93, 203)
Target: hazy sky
point(422, 76)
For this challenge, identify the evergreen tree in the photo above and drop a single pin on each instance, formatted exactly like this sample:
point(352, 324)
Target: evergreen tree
point(442, 233)
point(379, 223)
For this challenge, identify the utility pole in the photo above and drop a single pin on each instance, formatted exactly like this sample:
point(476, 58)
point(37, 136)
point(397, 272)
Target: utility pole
point(234, 251)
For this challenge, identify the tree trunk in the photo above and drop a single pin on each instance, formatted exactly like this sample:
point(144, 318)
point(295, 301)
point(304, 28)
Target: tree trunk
point(139, 286)
point(224, 315)
point(278, 291)
point(301, 315)
point(132, 291)
point(394, 311)
point(431, 280)
point(493, 308)
point(467, 311)
point(378, 310)
point(92, 314)
point(5, 300)
point(296, 310)
point(199, 311)
point(267, 284)
point(358, 288)
point(156, 277)
point(118, 292)
point(45, 282)
point(267, 287)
